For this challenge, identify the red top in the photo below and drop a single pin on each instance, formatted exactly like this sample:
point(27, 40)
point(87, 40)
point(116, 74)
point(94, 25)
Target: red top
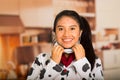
point(67, 60)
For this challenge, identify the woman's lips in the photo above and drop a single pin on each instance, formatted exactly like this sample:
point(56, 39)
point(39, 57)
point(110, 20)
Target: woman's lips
point(67, 40)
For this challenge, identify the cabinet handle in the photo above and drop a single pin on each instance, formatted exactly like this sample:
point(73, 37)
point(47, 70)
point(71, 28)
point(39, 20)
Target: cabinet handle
point(115, 58)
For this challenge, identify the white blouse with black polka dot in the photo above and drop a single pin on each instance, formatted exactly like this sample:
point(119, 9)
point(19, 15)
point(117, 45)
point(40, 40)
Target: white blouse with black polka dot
point(44, 68)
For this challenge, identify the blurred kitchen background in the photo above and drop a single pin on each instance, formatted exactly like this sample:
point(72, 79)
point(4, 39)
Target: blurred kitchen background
point(26, 25)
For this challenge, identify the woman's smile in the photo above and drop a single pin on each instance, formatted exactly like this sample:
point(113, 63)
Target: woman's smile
point(67, 40)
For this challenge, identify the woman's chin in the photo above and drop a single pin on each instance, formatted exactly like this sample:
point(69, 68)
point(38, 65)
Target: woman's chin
point(67, 47)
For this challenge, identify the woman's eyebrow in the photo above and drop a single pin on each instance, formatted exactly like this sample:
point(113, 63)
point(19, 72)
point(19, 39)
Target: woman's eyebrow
point(59, 26)
point(73, 25)
point(69, 26)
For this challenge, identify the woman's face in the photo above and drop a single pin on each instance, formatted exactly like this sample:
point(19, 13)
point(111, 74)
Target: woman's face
point(67, 32)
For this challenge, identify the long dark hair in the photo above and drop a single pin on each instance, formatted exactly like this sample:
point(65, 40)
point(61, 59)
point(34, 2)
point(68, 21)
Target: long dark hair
point(86, 37)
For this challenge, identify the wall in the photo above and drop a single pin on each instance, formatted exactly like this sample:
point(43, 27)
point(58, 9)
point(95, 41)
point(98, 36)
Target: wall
point(36, 13)
point(10, 7)
point(107, 13)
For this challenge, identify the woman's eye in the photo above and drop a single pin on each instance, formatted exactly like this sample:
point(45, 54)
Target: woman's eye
point(72, 28)
point(60, 29)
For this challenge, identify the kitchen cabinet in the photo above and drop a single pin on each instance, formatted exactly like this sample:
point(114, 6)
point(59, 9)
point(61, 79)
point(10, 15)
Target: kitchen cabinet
point(34, 36)
point(36, 13)
point(111, 59)
point(107, 14)
point(111, 64)
point(8, 42)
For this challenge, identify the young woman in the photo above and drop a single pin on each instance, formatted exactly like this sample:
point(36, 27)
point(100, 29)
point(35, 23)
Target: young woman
point(72, 57)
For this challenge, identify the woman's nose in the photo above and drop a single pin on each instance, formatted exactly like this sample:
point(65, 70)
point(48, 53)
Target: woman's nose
point(66, 33)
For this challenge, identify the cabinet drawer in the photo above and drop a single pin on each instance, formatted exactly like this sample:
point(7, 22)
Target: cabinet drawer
point(111, 59)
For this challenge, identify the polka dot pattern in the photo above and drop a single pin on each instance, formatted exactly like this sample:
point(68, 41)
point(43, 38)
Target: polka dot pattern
point(42, 73)
point(60, 72)
point(37, 62)
point(30, 71)
point(48, 61)
point(57, 68)
point(85, 67)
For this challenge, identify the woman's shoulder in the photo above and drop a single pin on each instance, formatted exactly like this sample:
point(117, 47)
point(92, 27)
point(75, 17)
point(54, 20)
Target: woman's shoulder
point(43, 55)
point(42, 58)
point(98, 62)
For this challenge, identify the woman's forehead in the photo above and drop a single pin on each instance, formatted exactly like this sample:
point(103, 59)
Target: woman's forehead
point(67, 19)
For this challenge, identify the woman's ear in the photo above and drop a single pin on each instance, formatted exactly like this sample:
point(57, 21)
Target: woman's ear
point(81, 32)
point(80, 36)
point(53, 37)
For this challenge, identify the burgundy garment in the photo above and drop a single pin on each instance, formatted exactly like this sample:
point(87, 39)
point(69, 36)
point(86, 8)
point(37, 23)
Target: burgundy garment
point(67, 60)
